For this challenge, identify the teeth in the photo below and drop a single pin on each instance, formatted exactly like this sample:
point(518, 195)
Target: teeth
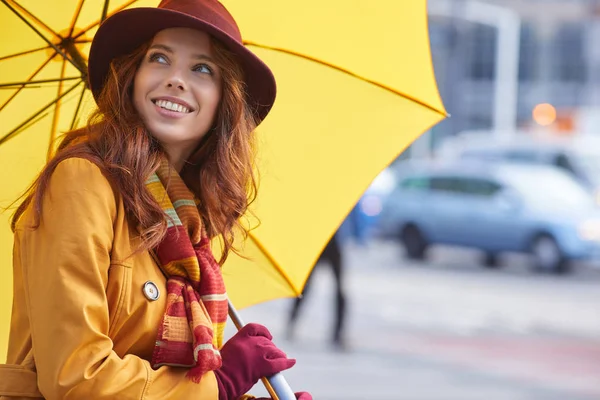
point(168, 105)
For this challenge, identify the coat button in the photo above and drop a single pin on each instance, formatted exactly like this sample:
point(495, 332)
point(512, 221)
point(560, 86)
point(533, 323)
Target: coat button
point(151, 291)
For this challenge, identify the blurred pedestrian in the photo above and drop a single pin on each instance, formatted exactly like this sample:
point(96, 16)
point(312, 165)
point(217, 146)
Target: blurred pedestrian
point(331, 256)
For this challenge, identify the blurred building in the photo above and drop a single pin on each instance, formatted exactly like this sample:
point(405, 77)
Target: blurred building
point(555, 53)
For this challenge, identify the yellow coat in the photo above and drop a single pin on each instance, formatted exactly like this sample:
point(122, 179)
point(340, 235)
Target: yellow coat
point(81, 324)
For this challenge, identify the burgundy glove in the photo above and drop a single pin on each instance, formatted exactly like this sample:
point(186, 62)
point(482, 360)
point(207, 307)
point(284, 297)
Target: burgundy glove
point(299, 396)
point(248, 356)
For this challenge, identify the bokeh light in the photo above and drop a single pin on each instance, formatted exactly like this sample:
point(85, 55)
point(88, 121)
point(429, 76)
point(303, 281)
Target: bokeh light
point(544, 114)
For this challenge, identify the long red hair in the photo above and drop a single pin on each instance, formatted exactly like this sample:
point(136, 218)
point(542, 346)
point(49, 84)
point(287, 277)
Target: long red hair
point(220, 172)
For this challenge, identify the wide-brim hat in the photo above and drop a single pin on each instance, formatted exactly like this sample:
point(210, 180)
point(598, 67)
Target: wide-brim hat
point(126, 30)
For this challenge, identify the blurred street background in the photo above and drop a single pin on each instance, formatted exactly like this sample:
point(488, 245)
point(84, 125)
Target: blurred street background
point(471, 266)
point(444, 330)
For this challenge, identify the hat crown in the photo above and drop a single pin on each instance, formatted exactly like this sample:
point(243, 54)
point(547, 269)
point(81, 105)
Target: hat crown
point(210, 11)
point(127, 30)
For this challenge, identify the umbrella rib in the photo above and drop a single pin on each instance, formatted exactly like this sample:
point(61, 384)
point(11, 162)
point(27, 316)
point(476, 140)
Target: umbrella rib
point(56, 115)
point(27, 83)
point(87, 28)
point(76, 17)
point(75, 115)
point(30, 15)
point(30, 77)
point(18, 130)
point(23, 53)
point(56, 48)
point(280, 270)
point(389, 89)
point(104, 11)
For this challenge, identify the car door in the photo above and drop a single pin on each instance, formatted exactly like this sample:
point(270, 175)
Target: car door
point(450, 208)
point(494, 212)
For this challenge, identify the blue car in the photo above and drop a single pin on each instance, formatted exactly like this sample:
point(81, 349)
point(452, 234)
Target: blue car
point(493, 207)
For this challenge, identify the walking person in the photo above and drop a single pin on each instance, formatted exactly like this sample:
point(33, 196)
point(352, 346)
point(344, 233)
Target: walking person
point(331, 256)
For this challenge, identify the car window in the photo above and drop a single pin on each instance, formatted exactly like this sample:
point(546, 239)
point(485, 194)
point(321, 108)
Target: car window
point(415, 183)
point(465, 185)
point(562, 161)
point(446, 184)
point(480, 187)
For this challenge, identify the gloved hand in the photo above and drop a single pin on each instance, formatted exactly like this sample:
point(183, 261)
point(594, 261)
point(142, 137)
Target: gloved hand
point(299, 396)
point(247, 356)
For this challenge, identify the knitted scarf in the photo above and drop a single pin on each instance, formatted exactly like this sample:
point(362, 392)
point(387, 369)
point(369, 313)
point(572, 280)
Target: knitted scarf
point(191, 332)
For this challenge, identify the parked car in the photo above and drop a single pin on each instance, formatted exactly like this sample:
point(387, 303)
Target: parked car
point(493, 207)
point(579, 157)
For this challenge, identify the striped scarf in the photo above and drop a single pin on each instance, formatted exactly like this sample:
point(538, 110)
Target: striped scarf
point(191, 332)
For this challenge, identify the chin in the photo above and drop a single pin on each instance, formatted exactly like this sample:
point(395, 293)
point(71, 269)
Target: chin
point(176, 138)
point(174, 133)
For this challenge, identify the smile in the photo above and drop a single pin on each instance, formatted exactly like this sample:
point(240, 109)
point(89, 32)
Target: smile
point(172, 106)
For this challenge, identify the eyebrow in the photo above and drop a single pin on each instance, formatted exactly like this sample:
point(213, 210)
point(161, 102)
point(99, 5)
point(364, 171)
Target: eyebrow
point(170, 50)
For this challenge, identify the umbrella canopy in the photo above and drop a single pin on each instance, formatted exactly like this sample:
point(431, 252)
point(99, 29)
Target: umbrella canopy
point(355, 88)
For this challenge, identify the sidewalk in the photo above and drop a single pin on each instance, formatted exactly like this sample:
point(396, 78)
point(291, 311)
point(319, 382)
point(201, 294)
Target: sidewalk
point(431, 332)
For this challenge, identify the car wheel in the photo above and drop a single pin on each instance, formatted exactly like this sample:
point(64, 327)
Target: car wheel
point(491, 260)
point(414, 242)
point(547, 256)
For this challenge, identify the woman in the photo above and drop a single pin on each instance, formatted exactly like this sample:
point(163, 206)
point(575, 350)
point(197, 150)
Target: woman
point(117, 293)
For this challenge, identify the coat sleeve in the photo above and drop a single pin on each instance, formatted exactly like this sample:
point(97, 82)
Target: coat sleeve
point(65, 270)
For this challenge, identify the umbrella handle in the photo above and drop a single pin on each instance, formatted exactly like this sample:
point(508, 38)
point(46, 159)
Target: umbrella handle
point(276, 385)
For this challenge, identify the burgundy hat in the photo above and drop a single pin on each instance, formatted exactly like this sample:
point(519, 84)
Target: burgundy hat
point(126, 30)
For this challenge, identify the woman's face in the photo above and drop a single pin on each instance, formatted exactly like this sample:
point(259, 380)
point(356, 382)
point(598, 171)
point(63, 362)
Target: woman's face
point(177, 89)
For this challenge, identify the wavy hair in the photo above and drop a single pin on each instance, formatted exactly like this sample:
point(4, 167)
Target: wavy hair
point(220, 172)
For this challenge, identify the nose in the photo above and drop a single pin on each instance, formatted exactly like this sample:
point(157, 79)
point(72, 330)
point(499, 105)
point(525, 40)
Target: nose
point(175, 81)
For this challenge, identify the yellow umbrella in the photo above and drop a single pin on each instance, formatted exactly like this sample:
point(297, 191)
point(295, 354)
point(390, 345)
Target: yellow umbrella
point(355, 88)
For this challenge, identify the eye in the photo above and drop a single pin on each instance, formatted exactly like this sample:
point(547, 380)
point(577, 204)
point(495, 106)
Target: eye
point(159, 58)
point(203, 68)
